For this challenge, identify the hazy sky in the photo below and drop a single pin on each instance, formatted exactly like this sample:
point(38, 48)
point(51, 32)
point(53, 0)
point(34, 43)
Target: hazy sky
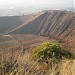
point(39, 3)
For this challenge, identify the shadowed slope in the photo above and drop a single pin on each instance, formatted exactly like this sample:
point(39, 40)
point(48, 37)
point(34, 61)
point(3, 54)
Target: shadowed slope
point(11, 23)
point(8, 23)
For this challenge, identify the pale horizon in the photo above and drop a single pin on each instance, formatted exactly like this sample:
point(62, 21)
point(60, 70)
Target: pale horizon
point(20, 7)
point(38, 3)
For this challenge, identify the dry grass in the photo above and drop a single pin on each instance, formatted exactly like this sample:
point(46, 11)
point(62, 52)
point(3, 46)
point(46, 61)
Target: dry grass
point(17, 60)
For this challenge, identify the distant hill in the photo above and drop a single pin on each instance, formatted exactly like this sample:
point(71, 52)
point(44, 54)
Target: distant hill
point(52, 23)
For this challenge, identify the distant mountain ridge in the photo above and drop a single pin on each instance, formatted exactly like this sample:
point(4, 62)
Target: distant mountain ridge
point(50, 23)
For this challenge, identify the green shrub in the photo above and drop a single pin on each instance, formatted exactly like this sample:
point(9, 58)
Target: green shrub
point(50, 52)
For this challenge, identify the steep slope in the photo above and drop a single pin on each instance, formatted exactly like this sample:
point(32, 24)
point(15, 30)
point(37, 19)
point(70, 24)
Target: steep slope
point(9, 23)
point(26, 19)
point(52, 23)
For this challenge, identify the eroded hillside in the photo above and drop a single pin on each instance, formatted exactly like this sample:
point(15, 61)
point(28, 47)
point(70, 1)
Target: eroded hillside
point(51, 23)
point(56, 24)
